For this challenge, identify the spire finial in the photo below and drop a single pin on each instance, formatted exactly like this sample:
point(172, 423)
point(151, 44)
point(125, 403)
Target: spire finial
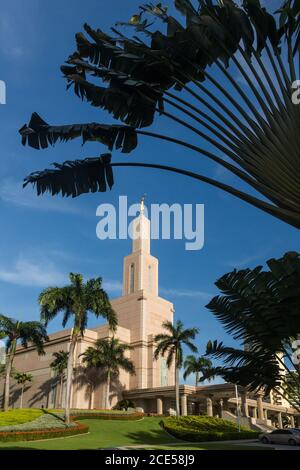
point(142, 210)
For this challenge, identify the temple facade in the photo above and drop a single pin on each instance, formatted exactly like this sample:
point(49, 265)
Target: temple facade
point(141, 313)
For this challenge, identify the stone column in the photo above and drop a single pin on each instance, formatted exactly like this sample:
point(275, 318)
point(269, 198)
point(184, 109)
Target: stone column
point(266, 414)
point(209, 407)
point(225, 404)
point(221, 406)
point(159, 406)
point(184, 410)
point(279, 418)
point(245, 409)
point(292, 421)
point(260, 408)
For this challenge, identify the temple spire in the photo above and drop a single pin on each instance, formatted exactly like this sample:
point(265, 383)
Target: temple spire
point(142, 209)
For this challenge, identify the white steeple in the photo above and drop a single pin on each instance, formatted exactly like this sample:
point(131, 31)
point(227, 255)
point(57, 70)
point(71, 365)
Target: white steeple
point(140, 268)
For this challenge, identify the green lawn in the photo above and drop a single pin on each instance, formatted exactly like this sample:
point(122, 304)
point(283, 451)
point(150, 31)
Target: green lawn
point(14, 417)
point(110, 434)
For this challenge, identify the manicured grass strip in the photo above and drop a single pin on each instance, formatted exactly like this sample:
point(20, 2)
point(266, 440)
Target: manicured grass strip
point(19, 416)
point(104, 434)
point(111, 434)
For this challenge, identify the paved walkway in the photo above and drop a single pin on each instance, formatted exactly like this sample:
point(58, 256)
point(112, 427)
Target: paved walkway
point(249, 442)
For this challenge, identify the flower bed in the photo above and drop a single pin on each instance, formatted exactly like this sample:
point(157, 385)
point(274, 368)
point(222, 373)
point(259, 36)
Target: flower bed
point(19, 416)
point(46, 421)
point(108, 416)
point(204, 428)
point(15, 436)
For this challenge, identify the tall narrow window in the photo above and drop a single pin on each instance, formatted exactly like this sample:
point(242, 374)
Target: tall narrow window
point(131, 284)
point(163, 372)
point(149, 278)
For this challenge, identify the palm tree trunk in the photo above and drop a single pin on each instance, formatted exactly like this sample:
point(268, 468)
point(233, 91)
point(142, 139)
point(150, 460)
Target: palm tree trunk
point(107, 391)
point(177, 390)
point(197, 378)
point(8, 369)
point(21, 398)
point(70, 377)
point(61, 391)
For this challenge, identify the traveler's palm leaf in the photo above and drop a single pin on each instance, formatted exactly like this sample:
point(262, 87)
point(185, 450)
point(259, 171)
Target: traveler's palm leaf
point(226, 75)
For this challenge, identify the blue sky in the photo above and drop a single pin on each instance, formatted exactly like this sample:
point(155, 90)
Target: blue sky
point(42, 239)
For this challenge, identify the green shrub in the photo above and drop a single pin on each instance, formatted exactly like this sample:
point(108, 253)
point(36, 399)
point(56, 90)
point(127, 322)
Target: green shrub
point(124, 405)
point(205, 428)
point(43, 434)
point(19, 416)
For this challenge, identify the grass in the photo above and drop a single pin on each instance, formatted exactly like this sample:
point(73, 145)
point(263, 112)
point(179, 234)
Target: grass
point(15, 417)
point(111, 434)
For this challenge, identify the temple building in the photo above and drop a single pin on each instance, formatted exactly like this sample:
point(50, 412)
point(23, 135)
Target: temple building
point(141, 313)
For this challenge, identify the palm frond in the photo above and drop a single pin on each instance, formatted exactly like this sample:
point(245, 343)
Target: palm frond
point(255, 130)
point(73, 178)
point(40, 135)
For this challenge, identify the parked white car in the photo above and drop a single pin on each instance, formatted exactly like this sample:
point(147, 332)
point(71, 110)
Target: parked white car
point(281, 436)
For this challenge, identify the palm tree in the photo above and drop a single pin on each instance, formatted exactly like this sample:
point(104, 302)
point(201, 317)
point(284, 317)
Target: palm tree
point(170, 344)
point(75, 301)
point(15, 331)
point(109, 355)
point(261, 309)
point(59, 365)
point(200, 366)
point(193, 74)
point(22, 379)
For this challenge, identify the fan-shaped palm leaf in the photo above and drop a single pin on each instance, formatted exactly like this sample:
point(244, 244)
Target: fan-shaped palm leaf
point(252, 131)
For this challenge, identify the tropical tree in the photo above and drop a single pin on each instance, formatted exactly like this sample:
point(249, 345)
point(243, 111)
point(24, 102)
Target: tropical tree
point(59, 366)
point(76, 301)
point(22, 379)
point(171, 344)
point(226, 74)
point(261, 309)
point(26, 333)
point(109, 356)
point(200, 366)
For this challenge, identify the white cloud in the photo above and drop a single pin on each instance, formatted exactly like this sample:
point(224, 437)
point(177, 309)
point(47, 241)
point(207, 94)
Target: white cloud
point(186, 293)
point(248, 260)
point(39, 271)
point(29, 273)
point(112, 286)
point(13, 193)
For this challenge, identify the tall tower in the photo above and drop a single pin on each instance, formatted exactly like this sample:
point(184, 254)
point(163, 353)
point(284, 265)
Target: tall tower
point(140, 267)
point(141, 310)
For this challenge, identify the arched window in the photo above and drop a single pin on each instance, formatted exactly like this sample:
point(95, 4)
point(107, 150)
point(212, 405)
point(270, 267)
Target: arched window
point(149, 278)
point(131, 279)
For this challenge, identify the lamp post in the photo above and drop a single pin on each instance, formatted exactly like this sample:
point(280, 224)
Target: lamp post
point(238, 409)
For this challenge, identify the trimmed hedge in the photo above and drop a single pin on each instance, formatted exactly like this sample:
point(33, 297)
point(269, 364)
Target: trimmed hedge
point(43, 434)
point(204, 429)
point(113, 416)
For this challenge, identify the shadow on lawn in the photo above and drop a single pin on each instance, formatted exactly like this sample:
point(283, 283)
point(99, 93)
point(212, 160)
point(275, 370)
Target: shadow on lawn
point(155, 436)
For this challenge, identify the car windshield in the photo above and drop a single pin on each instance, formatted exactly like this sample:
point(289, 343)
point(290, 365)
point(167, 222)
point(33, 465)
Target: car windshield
point(297, 431)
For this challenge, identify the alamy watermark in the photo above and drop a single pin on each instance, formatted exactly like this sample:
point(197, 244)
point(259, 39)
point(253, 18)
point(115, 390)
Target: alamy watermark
point(2, 92)
point(296, 353)
point(296, 92)
point(176, 221)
